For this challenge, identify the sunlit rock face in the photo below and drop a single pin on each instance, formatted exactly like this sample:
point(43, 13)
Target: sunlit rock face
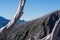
point(35, 29)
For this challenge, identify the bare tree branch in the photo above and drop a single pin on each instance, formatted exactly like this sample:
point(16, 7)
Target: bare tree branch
point(17, 16)
point(10, 25)
point(54, 34)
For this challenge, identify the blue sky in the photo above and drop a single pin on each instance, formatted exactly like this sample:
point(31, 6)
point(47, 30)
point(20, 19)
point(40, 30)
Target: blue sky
point(32, 10)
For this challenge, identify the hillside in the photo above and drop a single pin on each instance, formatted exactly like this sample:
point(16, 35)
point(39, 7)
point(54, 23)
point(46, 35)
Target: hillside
point(4, 21)
point(38, 28)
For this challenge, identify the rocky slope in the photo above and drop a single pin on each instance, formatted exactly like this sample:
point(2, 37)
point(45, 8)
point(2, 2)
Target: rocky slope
point(35, 29)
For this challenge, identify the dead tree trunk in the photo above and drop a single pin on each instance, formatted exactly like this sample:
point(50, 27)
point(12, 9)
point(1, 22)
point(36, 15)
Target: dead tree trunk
point(55, 35)
point(19, 13)
point(56, 31)
point(13, 21)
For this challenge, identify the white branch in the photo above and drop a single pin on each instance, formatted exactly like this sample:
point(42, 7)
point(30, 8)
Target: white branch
point(13, 21)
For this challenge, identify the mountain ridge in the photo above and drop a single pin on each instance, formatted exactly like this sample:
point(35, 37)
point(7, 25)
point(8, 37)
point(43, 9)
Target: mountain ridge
point(4, 21)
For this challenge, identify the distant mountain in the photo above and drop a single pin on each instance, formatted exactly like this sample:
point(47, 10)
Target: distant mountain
point(4, 21)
